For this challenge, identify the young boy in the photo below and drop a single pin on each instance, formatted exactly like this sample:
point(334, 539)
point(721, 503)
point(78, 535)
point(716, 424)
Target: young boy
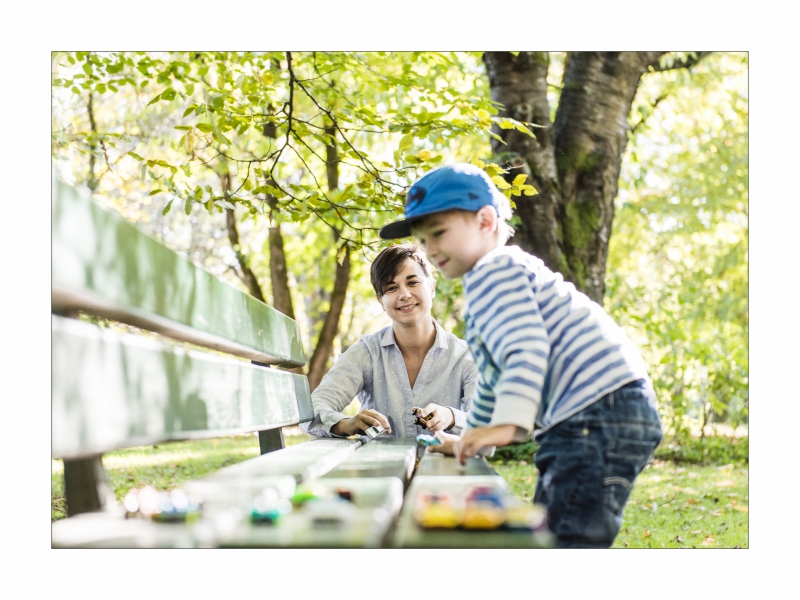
point(546, 354)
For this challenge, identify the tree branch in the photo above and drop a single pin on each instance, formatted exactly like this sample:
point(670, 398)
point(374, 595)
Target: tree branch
point(683, 63)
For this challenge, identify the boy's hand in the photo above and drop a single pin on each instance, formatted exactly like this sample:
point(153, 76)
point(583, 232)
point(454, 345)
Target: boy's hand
point(435, 417)
point(474, 439)
point(448, 443)
point(360, 423)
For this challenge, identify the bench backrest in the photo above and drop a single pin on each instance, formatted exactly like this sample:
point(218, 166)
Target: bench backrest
point(113, 390)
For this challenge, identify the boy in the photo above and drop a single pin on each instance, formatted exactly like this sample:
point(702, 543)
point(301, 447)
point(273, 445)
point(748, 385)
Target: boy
point(546, 354)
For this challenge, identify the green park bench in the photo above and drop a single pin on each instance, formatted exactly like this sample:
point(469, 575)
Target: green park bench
point(114, 390)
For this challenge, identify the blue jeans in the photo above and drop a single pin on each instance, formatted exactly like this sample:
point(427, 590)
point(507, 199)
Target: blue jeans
point(587, 465)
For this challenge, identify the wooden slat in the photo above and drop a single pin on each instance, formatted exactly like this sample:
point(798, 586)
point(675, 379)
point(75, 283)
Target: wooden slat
point(104, 265)
point(114, 390)
point(382, 457)
point(305, 462)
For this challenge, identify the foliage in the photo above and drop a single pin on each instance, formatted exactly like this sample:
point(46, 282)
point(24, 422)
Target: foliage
point(260, 131)
point(670, 506)
point(714, 450)
point(273, 123)
point(677, 267)
point(518, 451)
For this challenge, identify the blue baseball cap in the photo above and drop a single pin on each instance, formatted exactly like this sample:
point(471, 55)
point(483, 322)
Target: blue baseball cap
point(462, 186)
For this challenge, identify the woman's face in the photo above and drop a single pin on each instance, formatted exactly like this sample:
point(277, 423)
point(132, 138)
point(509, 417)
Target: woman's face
point(407, 298)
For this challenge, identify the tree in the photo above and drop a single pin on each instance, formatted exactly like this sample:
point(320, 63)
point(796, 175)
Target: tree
point(261, 133)
point(574, 160)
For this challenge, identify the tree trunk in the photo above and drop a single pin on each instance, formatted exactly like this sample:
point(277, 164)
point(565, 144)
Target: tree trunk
point(279, 276)
point(93, 180)
point(574, 162)
point(319, 360)
point(245, 273)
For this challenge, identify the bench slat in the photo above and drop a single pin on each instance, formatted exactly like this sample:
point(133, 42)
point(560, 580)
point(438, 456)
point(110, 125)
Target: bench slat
point(114, 390)
point(104, 265)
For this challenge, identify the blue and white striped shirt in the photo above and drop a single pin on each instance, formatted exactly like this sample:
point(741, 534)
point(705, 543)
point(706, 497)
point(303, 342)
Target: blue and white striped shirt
point(544, 350)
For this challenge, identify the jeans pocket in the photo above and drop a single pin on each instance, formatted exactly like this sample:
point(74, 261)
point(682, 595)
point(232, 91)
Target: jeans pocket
point(625, 459)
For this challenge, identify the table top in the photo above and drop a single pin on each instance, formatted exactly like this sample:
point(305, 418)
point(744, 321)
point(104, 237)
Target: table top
point(375, 475)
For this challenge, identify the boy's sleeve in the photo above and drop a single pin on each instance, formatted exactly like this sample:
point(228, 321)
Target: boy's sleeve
point(343, 382)
point(508, 319)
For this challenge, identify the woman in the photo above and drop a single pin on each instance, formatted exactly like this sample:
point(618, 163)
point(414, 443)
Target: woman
point(411, 363)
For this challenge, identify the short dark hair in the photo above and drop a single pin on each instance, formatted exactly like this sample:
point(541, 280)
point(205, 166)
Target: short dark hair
point(388, 263)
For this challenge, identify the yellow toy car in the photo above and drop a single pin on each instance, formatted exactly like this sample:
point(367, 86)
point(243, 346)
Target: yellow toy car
point(438, 516)
point(483, 515)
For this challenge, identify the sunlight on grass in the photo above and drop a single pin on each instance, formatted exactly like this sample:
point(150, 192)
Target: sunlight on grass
point(671, 505)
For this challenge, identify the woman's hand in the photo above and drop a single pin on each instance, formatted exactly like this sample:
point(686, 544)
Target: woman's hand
point(448, 441)
point(473, 440)
point(360, 423)
point(435, 417)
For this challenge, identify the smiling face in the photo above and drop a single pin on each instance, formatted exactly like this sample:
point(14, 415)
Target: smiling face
point(408, 295)
point(455, 240)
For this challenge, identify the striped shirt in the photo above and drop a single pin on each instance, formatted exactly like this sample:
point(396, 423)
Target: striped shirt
point(544, 350)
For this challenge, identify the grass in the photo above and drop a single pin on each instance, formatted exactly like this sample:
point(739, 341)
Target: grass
point(672, 505)
point(166, 466)
point(677, 503)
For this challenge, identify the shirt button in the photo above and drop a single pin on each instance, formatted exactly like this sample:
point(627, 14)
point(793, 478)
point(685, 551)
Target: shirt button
point(585, 432)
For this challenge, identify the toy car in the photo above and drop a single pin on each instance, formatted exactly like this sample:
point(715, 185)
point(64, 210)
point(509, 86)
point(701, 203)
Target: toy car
point(375, 431)
point(483, 515)
point(419, 418)
point(268, 507)
point(177, 507)
point(435, 510)
point(344, 493)
point(428, 440)
point(329, 512)
point(484, 493)
point(438, 516)
point(305, 493)
point(527, 517)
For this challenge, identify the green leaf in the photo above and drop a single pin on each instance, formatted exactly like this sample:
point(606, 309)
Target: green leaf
point(205, 127)
point(87, 68)
point(519, 180)
point(183, 127)
point(190, 109)
point(215, 102)
point(406, 141)
point(168, 94)
point(154, 100)
point(500, 182)
point(167, 207)
point(154, 192)
point(134, 155)
point(189, 87)
point(188, 206)
point(222, 139)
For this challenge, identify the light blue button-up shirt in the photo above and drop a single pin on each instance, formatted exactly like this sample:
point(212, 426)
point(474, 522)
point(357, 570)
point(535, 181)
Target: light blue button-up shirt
point(373, 370)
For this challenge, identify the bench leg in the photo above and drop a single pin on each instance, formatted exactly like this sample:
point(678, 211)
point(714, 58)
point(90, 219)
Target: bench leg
point(85, 486)
point(271, 439)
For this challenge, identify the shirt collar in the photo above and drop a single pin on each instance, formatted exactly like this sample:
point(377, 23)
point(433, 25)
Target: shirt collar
point(387, 337)
point(486, 258)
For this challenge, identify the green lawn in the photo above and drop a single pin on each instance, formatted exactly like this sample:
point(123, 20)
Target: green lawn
point(672, 505)
point(165, 466)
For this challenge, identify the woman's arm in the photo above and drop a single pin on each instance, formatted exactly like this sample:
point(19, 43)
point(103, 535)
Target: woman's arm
point(343, 382)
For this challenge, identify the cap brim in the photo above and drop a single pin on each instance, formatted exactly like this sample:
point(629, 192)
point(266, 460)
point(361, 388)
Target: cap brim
point(398, 229)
